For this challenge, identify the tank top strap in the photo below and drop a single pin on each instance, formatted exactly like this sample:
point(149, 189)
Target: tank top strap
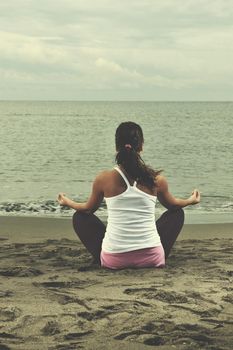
point(123, 175)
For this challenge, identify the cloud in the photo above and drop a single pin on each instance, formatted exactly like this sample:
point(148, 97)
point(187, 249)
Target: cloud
point(205, 39)
point(15, 75)
point(29, 49)
point(118, 46)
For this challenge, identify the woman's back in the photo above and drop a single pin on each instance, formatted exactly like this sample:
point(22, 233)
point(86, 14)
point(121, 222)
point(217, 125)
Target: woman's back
point(131, 219)
point(113, 183)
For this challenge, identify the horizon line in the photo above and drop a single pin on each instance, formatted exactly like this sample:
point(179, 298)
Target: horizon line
point(93, 100)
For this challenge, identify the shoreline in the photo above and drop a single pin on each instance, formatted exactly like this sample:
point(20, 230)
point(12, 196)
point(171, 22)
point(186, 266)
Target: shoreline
point(31, 229)
point(191, 216)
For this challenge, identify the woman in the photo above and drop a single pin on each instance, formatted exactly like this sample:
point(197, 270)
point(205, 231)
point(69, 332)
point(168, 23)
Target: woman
point(131, 238)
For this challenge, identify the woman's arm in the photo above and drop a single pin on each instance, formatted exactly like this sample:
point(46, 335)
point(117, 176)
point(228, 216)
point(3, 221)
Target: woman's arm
point(171, 202)
point(93, 202)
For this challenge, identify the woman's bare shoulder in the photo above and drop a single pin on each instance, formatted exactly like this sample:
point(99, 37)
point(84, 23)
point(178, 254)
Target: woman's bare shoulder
point(105, 174)
point(161, 182)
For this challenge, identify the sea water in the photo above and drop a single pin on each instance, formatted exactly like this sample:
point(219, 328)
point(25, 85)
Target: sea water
point(49, 147)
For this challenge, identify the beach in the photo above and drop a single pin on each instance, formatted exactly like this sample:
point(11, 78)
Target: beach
point(53, 297)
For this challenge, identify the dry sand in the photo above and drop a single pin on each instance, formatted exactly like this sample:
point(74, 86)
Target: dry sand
point(52, 297)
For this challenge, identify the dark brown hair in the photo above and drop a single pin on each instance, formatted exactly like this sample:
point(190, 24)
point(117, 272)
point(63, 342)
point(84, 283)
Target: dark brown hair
point(129, 141)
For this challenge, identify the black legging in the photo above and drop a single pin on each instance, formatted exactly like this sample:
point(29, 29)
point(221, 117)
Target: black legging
point(90, 230)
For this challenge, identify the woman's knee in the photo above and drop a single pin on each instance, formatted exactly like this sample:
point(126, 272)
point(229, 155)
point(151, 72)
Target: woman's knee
point(179, 215)
point(176, 215)
point(78, 215)
point(78, 219)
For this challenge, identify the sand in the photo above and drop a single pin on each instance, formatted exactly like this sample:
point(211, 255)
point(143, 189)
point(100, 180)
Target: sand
point(53, 297)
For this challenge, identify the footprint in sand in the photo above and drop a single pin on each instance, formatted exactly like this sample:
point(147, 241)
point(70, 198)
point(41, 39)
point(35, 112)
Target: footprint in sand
point(170, 335)
point(91, 316)
point(20, 271)
point(51, 328)
point(71, 336)
point(155, 341)
point(71, 346)
point(228, 298)
point(4, 347)
point(9, 313)
point(162, 295)
point(104, 312)
point(6, 335)
point(6, 293)
point(80, 284)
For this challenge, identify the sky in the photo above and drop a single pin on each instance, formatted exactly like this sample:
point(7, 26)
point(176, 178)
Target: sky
point(162, 50)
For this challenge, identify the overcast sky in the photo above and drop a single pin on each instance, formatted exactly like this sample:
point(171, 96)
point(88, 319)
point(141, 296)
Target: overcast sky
point(116, 50)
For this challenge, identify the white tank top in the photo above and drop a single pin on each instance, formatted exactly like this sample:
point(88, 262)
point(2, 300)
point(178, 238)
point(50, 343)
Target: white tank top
point(131, 220)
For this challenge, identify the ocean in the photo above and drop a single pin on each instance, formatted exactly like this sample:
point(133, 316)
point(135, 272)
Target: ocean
point(49, 147)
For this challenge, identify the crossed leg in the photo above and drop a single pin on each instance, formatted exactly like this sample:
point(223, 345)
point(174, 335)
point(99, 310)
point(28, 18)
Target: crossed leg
point(90, 230)
point(169, 226)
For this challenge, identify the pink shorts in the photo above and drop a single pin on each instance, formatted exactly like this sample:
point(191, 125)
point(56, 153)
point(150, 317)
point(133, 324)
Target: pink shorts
point(148, 257)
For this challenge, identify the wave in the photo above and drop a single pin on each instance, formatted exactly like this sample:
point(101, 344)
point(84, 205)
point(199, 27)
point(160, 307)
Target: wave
point(227, 206)
point(53, 208)
point(42, 208)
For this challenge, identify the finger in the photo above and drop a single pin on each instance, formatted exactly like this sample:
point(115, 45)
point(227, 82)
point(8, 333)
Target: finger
point(198, 196)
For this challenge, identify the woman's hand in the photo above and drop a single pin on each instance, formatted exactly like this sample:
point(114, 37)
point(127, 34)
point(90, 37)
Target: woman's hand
point(62, 199)
point(171, 202)
point(195, 197)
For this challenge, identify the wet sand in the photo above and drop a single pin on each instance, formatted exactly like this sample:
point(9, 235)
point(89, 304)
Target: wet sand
point(53, 297)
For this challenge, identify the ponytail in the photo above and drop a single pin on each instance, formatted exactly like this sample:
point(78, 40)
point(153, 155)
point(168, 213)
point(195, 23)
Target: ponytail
point(129, 141)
